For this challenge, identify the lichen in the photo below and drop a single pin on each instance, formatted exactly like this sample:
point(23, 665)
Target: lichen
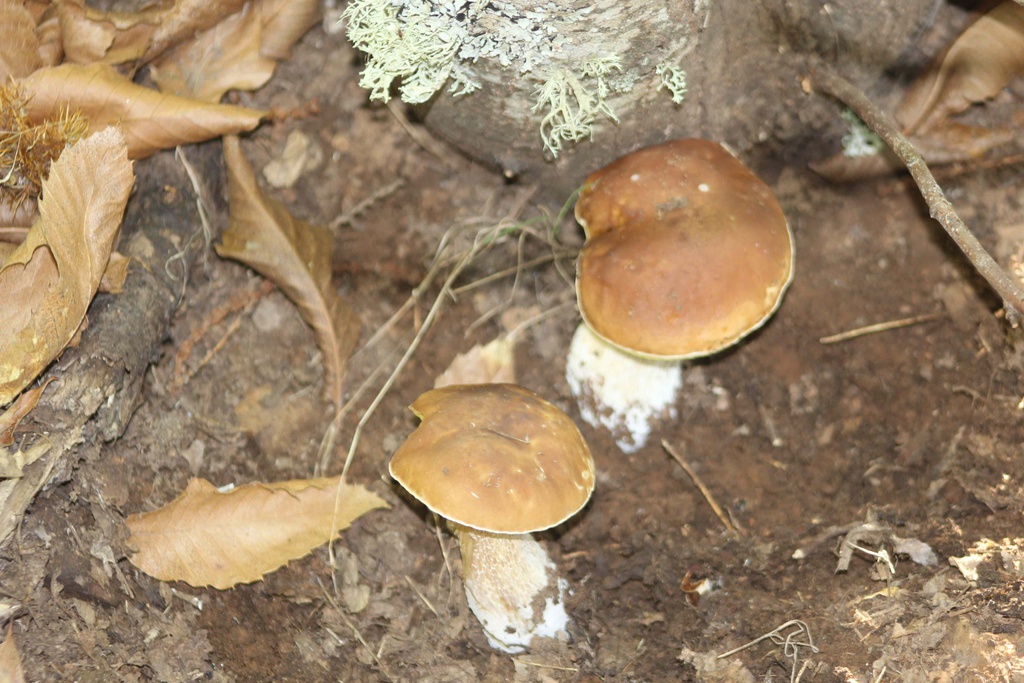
point(424, 44)
point(860, 141)
point(673, 79)
point(410, 41)
point(574, 100)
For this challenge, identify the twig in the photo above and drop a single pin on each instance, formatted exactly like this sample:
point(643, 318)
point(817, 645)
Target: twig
point(365, 203)
point(239, 302)
point(355, 631)
point(703, 489)
point(879, 327)
point(790, 646)
point(421, 596)
point(571, 669)
point(826, 80)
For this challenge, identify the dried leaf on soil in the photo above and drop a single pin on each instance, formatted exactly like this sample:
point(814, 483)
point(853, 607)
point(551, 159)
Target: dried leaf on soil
point(115, 274)
point(975, 67)
point(19, 47)
point(208, 538)
point(46, 285)
point(492, 363)
point(12, 417)
point(239, 53)
point(185, 19)
point(10, 660)
point(92, 35)
point(294, 255)
point(151, 120)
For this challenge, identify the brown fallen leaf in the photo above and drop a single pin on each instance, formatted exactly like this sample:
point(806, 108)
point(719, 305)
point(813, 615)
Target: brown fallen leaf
point(294, 255)
point(151, 120)
point(492, 363)
point(51, 45)
point(91, 35)
point(12, 417)
point(186, 19)
point(208, 538)
point(239, 53)
point(10, 660)
point(975, 67)
point(19, 47)
point(115, 273)
point(46, 285)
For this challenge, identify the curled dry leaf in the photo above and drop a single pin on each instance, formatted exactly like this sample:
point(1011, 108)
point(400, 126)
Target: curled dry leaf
point(10, 660)
point(239, 53)
point(185, 19)
point(115, 274)
point(492, 363)
point(975, 67)
point(294, 255)
point(12, 417)
point(92, 35)
point(19, 47)
point(151, 120)
point(208, 538)
point(46, 285)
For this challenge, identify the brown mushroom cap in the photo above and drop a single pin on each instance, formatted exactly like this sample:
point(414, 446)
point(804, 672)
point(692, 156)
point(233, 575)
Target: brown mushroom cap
point(495, 457)
point(687, 251)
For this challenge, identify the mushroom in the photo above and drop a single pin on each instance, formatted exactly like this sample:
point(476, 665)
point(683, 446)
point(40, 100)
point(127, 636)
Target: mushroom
point(498, 462)
point(686, 252)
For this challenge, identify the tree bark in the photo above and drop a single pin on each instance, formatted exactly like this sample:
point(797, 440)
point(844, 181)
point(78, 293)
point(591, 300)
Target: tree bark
point(742, 60)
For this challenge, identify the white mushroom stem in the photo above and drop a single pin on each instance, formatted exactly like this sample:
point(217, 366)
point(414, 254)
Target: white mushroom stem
point(512, 587)
point(626, 394)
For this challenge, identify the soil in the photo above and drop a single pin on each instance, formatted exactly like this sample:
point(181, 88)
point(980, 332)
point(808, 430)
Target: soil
point(915, 431)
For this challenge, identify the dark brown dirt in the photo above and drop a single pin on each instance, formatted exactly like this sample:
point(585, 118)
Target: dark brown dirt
point(919, 429)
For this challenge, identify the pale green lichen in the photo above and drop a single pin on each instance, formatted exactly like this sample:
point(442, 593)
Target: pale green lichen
point(464, 81)
point(860, 141)
point(424, 44)
point(574, 101)
point(407, 42)
point(673, 79)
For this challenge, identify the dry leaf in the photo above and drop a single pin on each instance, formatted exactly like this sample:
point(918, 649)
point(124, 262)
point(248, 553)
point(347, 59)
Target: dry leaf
point(208, 538)
point(91, 35)
point(10, 660)
point(12, 417)
point(975, 67)
point(492, 363)
point(115, 274)
point(151, 120)
point(46, 285)
point(239, 53)
point(51, 46)
point(186, 19)
point(19, 47)
point(294, 255)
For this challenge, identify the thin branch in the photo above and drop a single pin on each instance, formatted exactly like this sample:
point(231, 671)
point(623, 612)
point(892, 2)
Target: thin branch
point(703, 489)
point(824, 79)
point(879, 327)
